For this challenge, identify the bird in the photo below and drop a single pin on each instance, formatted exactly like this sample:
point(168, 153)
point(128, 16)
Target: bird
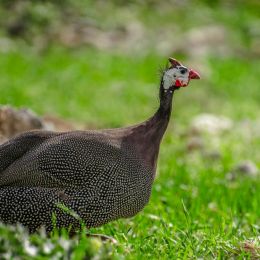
point(63, 179)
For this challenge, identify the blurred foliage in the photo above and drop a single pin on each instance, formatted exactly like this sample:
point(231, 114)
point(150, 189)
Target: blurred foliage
point(16, 243)
point(44, 21)
point(27, 18)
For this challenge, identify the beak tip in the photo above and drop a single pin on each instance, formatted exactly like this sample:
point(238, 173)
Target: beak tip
point(194, 74)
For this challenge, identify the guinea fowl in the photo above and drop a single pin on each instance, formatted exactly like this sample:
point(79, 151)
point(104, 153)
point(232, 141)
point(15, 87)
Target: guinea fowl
point(98, 175)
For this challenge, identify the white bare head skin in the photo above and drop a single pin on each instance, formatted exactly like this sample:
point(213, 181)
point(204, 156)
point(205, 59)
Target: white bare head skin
point(171, 75)
point(178, 75)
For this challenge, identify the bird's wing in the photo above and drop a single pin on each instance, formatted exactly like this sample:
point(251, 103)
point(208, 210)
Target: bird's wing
point(69, 159)
point(16, 147)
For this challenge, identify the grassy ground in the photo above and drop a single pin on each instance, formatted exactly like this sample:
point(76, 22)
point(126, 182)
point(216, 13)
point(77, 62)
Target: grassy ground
point(196, 210)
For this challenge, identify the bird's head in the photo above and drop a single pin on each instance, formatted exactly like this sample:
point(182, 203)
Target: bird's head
point(177, 75)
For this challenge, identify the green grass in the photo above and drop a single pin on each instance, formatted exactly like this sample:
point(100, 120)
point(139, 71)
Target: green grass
point(195, 211)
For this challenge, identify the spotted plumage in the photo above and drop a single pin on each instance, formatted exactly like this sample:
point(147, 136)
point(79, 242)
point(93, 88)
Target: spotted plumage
point(62, 179)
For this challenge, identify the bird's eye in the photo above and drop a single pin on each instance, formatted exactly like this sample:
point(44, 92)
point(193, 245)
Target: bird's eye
point(183, 71)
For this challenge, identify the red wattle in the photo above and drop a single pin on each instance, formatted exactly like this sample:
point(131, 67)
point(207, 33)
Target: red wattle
point(178, 83)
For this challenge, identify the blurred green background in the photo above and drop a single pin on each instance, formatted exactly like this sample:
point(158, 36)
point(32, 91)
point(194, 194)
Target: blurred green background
point(72, 58)
point(98, 63)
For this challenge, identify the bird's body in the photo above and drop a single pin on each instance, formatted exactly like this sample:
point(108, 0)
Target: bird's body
point(87, 171)
point(99, 176)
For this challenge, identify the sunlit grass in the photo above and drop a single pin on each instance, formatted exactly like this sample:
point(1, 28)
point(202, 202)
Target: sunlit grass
point(96, 87)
